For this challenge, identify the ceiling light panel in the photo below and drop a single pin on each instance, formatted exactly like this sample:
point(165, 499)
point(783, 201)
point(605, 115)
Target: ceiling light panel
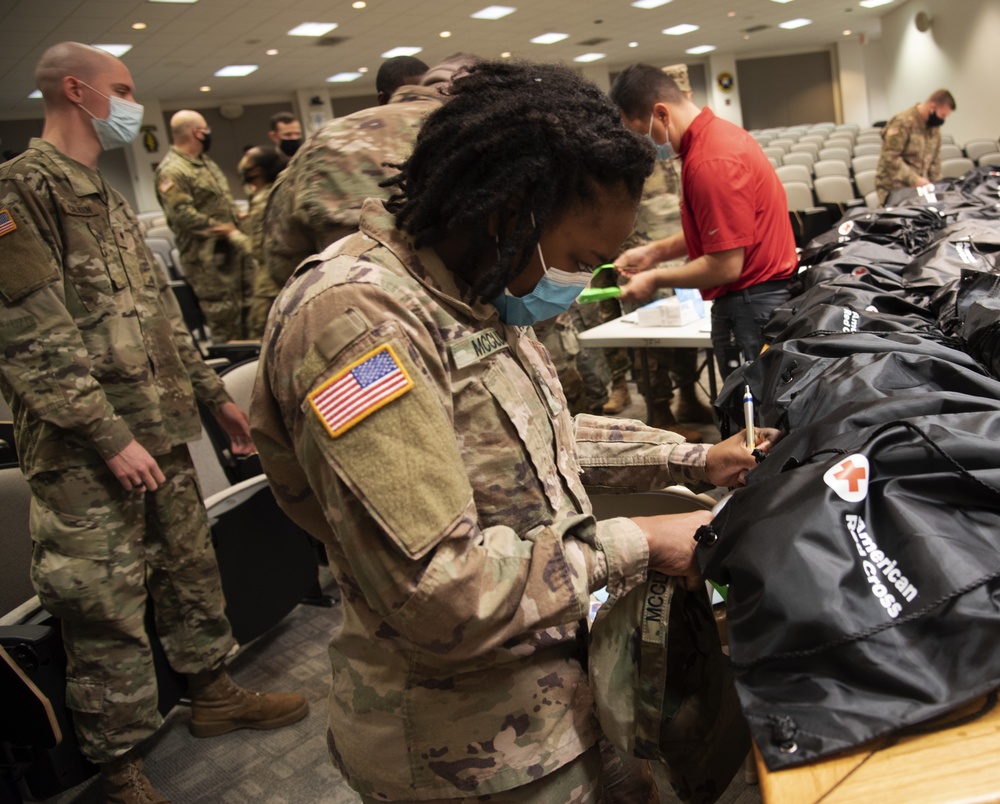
point(586, 57)
point(790, 25)
point(236, 70)
point(874, 3)
point(680, 30)
point(312, 29)
point(697, 51)
point(549, 38)
point(343, 78)
point(493, 12)
point(650, 3)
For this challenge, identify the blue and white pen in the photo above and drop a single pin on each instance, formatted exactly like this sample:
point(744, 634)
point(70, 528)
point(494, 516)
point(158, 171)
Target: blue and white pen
point(748, 416)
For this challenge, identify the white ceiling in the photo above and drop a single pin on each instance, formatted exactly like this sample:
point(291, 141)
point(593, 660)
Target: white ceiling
point(184, 45)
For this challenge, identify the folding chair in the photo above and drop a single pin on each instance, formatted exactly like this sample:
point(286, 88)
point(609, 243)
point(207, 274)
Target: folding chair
point(868, 149)
point(799, 158)
point(807, 219)
point(953, 168)
point(862, 163)
point(865, 182)
point(794, 173)
point(836, 193)
point(976, 148)
point(831, 167)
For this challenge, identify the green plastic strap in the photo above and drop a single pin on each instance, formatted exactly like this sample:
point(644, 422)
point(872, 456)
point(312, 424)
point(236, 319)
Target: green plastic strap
point(599, 294)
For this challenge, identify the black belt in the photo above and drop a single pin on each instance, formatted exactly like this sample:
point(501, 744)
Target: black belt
point(764, 287)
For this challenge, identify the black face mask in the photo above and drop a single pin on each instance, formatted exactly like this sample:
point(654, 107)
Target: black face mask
point(289, 147)
point(206, 141)
point(933, 121)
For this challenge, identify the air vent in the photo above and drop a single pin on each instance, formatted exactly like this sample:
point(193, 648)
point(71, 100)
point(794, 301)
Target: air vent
point(330, 41)
point(595, 41)
point(756, 28)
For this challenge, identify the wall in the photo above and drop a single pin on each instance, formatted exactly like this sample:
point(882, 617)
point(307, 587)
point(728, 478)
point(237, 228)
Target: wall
point(786, 90)
point(959, 52)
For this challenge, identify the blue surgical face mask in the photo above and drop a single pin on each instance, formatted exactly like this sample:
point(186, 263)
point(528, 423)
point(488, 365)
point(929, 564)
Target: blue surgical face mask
point(663, 152)
point(553, 294)
point(122, 124)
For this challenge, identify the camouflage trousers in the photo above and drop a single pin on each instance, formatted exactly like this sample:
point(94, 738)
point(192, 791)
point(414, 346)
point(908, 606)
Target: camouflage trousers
point(600, 775)
point(99, 553)
point(670, 369)
point(265, 291)
point(224, 290)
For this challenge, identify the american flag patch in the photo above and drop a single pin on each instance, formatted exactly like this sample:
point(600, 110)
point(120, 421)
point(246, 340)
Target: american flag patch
point(359, 390)
point(7, 224)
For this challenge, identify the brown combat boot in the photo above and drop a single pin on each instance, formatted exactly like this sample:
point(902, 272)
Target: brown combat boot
point(124, 782)
point(691, 409)
point(662, 418)
point(620, 397)
point(219, 706)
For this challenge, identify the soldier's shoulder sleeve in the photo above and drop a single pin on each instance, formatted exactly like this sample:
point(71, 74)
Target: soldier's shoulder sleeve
point(374, 411)
point(27, 261)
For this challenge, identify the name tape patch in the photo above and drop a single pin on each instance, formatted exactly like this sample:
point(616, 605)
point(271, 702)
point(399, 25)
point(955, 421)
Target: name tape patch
point(370, 383)
point(473, 348)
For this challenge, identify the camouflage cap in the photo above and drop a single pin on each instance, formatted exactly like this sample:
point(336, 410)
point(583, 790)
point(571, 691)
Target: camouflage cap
point(679, 72)
point(663, 688)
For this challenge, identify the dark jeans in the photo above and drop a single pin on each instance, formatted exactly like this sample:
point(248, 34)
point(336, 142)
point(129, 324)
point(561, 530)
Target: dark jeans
point(738, 320)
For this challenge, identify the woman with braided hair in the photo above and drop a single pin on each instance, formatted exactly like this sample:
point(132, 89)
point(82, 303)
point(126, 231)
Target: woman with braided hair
point(407, 417)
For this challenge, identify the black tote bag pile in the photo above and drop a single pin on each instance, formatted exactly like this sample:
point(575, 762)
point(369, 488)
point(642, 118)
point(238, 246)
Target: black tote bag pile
point(864, 581)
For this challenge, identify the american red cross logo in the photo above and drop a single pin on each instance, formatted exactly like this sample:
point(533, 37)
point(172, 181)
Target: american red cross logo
point(852, 474)
point(849, 478)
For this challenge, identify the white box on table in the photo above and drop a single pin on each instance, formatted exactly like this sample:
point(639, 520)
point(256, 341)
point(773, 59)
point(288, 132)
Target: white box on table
point(684, 307)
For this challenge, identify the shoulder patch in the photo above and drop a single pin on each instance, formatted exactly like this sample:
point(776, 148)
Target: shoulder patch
point(7, 224)
point(166, 185)
point(351, 395)
point(889, 132)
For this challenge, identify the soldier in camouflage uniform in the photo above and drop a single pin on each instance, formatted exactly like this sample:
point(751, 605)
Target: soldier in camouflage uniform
point(215, 253)
point(259, 168)
point(102, 378)
point(911, 145)
point(428, 444)
point(318, 198)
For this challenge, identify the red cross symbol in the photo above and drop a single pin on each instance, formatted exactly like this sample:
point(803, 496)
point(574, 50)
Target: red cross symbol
point(853, 475)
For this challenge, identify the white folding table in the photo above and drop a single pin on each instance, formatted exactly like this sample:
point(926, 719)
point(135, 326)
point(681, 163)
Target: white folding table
point(625, 332)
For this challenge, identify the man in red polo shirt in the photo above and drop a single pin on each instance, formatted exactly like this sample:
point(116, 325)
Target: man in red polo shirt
point(736, 234)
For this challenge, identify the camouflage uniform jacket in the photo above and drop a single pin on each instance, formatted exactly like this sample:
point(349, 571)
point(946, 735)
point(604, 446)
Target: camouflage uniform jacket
point(659, 213)
point(195, 195)
point(95, 349)
point(456, 518)
point(910, 149)
point(253, 225)
point(317, 199)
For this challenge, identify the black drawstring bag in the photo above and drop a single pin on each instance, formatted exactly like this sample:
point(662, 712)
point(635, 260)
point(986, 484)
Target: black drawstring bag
point(864, 581)
point(839, 377)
